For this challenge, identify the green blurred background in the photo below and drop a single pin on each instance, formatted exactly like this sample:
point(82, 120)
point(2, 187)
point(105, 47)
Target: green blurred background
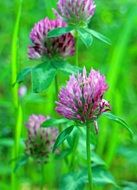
point(115, 19)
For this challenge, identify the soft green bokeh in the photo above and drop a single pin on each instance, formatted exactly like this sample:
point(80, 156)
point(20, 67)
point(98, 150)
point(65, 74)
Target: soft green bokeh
point(115, 19)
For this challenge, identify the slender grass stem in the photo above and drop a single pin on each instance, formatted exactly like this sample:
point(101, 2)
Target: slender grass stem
point(14, 55)
point(15, 99)
point(89, 157)
point(18, 129)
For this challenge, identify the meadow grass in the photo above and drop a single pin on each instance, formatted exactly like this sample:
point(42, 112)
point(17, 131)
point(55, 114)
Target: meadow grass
point(117, 20)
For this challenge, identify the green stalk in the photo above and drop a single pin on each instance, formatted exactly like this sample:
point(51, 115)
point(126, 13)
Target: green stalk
point(14, 55)
point(15, 99)
point(89, 157)
point(77, 135)
point(18, 129)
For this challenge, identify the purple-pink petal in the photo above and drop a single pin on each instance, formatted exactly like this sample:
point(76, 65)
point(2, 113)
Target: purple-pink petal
point(82, 98)
point(40, 140)
point(76, 11)
point(62, 46)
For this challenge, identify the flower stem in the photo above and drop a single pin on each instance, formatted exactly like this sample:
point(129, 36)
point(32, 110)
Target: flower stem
point(89, 157)
point(77, 44)
point(72, 162)
point(76, 140)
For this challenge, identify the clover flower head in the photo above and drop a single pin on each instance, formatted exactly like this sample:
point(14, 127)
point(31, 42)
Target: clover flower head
point(75, 11)
point(82, 98)
point(40, 140)
point(43, 46)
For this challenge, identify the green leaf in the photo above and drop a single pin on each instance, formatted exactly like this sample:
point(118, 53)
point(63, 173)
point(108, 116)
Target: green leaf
point(68, 68)
point(62, 136)
point(119, 121)
point(22, 75)
point(101, 176)
point(21, 162)
point(78, 180)
point(99, 36)
point(85, 37)
point(128, 185)
point(64, 66)
point(52, 122)
point(74, 181)
point(59, 31)
point(42, 76)
point(97, 161)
